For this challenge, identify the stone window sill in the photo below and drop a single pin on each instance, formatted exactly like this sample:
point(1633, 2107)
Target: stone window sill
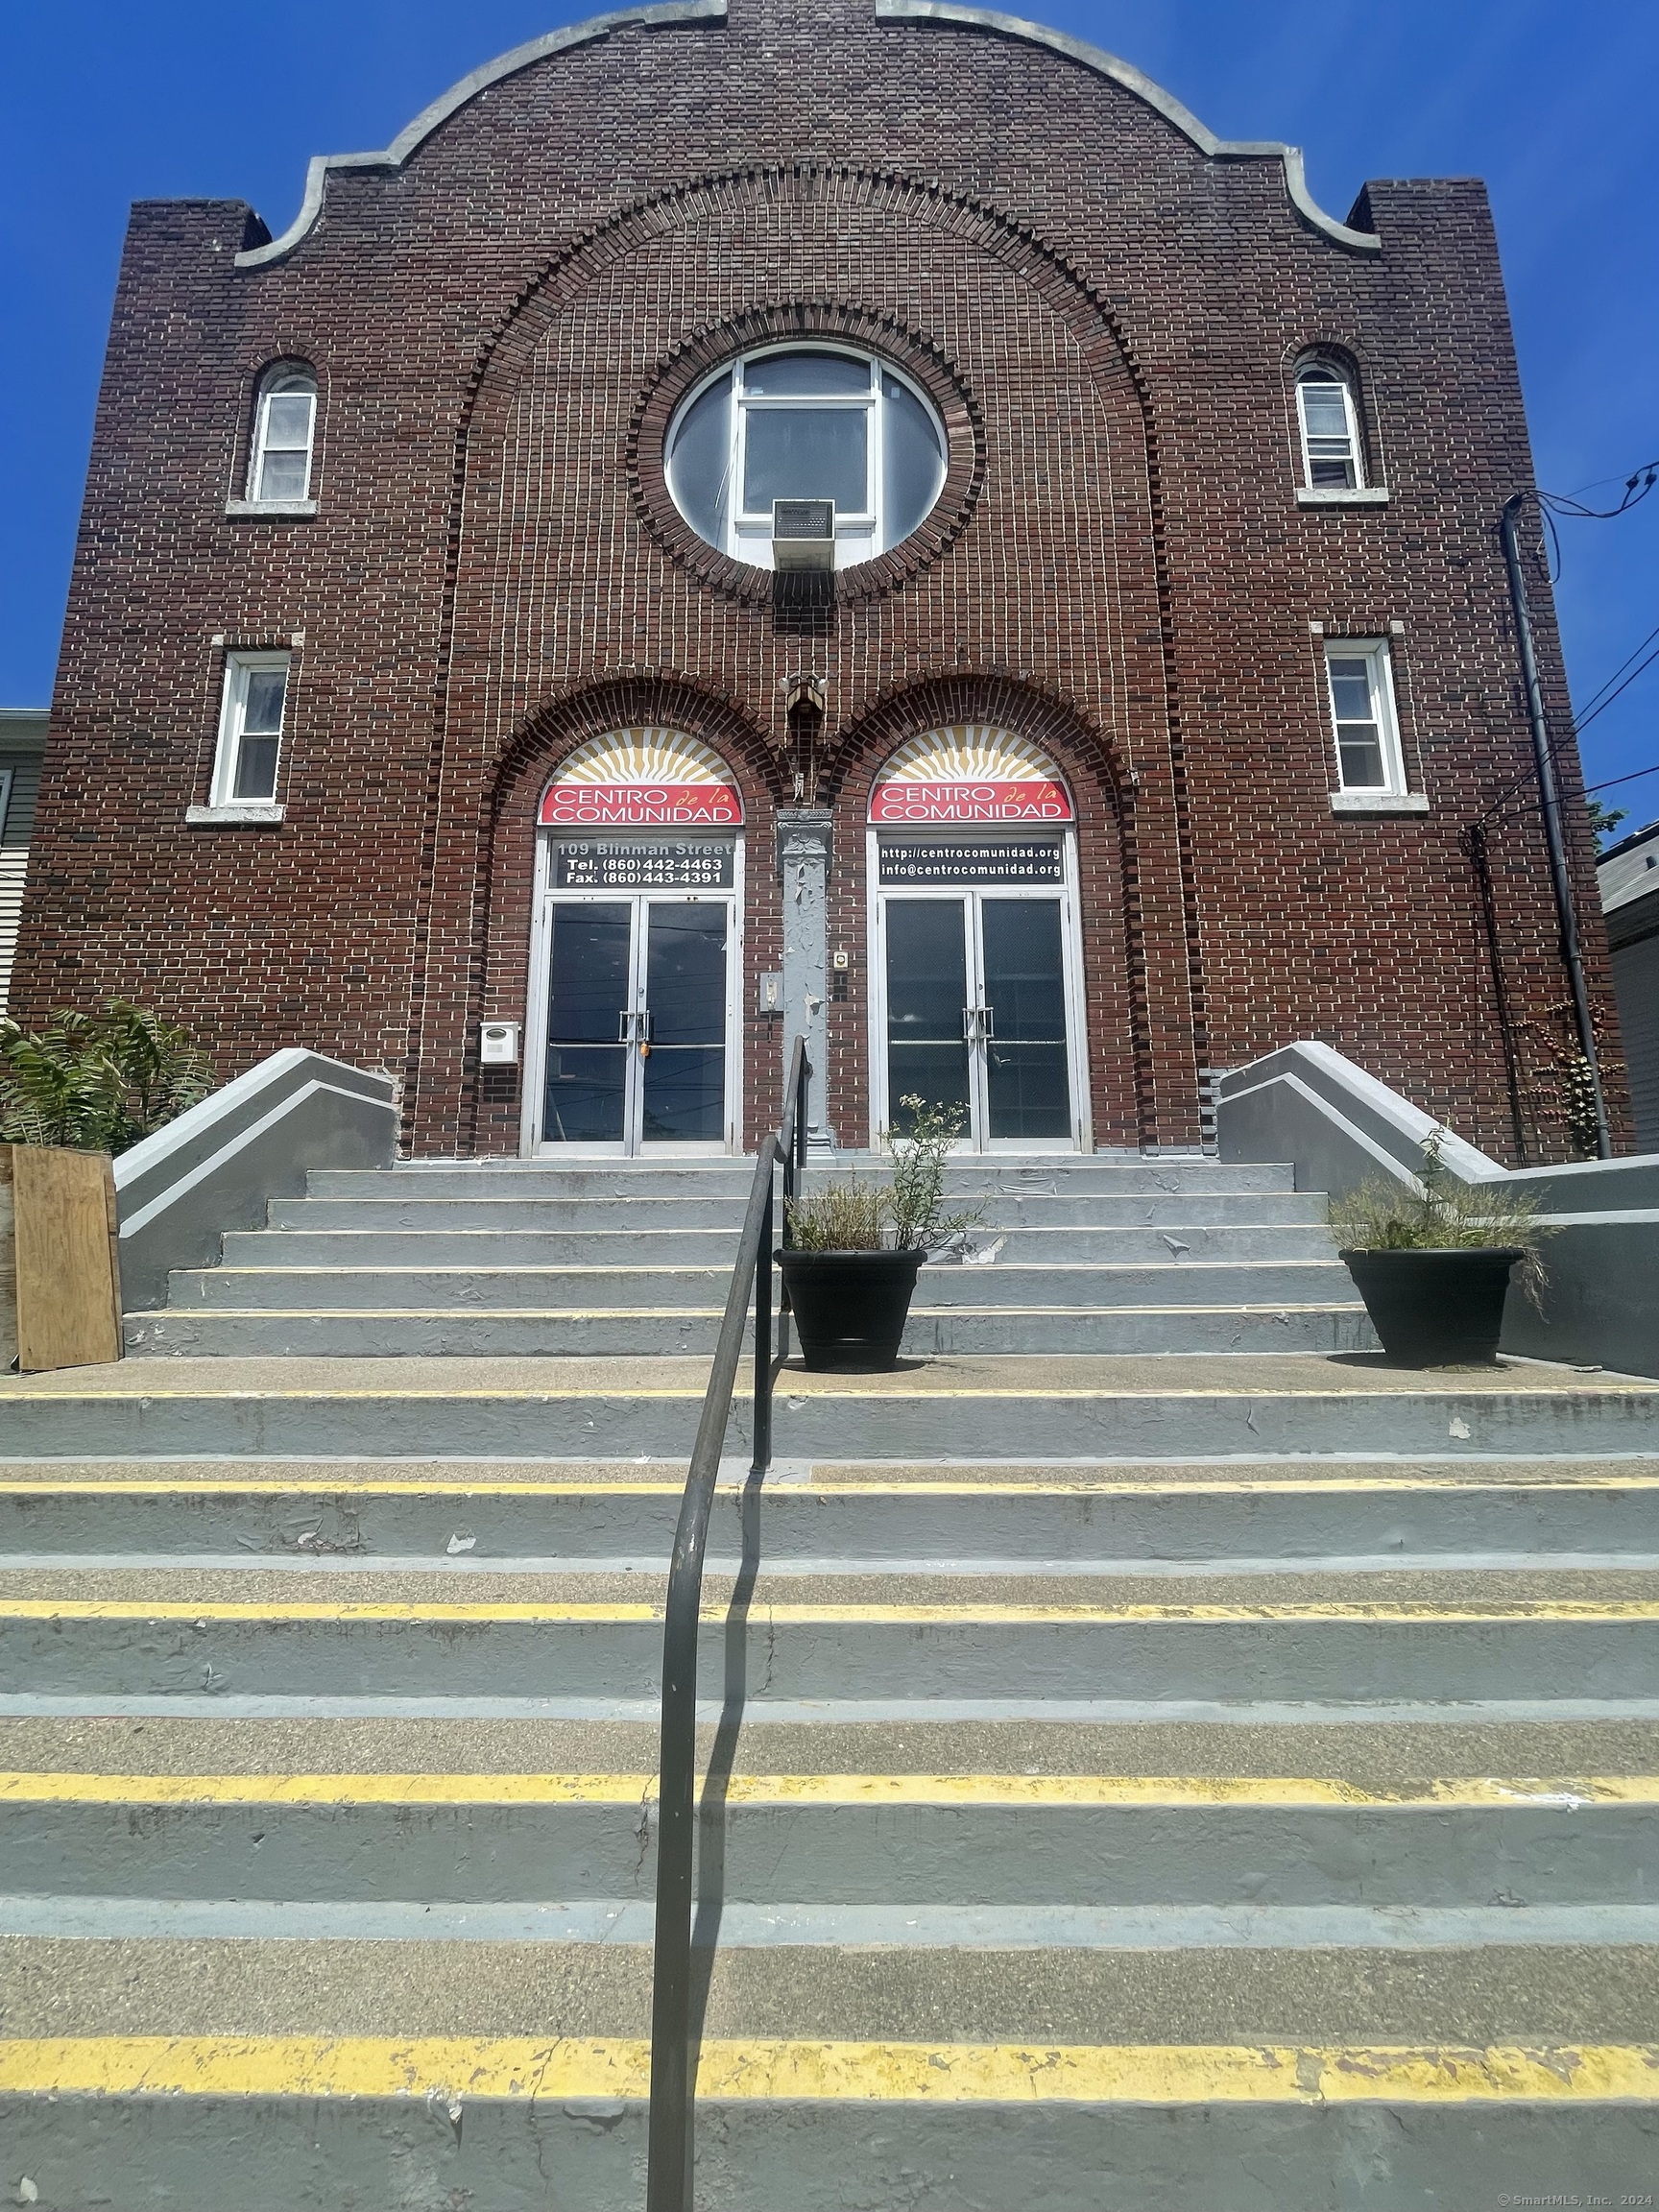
point(1378, 803)
point(1342, 495)
point(270, 510)
point(235, 814)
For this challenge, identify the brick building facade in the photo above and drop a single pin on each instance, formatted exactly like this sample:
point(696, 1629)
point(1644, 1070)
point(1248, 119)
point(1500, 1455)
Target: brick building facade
point(1147, 567)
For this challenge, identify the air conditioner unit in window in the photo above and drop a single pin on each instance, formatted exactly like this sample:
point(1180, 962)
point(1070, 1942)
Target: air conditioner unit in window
point(802, 533)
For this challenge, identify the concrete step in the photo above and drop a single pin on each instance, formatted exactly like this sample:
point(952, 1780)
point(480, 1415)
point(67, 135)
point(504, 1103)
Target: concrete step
point(1309, 1633)
point(356, 1331)
point(493, 2070)
point(1256, 1282)
point(954, 1843)
point(1113, 1519)
point(953, 1406)
point(482, 1248)
point(394, 1209)
point(1047, 1173)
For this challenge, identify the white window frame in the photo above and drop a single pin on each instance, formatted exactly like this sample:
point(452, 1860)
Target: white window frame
point(232, 714)
point(272, 388)
point(544, 897)
point(1379, 660)
point(975, 1140)
point(747, 535)
point(6, 776)
point(1329, 374)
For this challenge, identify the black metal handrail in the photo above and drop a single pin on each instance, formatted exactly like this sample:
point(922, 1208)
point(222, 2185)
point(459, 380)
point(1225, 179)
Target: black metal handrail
point(673, 2089)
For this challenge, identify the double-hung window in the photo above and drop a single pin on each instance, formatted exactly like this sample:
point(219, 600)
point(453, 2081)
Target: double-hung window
point(1330, 454)
point(251, 728)
point(1361, 685)
point(279, 464)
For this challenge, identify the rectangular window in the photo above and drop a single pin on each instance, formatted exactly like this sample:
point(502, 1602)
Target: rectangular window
point(1361, 692)
point(1330, 446)
point(282, 449)
point(251, 727)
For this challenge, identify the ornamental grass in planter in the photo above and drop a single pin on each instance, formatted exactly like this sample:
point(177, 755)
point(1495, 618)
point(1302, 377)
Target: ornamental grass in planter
point(1433, 1261)
point(857, 1244)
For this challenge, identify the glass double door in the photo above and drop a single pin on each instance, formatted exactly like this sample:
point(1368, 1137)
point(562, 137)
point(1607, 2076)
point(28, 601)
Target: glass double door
point(977, 1015)
point(638, 1023)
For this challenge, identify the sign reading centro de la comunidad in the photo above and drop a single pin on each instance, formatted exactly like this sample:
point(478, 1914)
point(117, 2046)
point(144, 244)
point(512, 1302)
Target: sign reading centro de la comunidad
point(640, 805)
point(1036, 799)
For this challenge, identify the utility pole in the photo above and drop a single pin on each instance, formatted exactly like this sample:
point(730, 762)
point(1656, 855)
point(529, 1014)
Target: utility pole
point(1548, 792)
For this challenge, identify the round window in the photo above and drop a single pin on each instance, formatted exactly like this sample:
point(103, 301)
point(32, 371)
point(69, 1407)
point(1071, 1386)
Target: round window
point(806, 456)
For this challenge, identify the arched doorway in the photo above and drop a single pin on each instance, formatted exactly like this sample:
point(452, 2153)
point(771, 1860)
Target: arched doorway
point(975, 950)
point(635, 954)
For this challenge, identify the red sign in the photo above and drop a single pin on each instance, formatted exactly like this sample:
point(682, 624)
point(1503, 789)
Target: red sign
point(639, 805)
point(1039, 800)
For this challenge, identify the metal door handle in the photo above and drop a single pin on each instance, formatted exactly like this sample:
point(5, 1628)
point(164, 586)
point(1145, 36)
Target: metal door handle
point(978, 1024)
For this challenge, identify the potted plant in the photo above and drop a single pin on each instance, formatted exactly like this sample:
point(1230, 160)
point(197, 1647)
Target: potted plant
point(1433, 1261)
point(857, 1244)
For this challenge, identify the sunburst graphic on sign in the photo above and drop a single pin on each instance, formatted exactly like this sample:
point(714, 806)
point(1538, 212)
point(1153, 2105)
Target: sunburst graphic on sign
point(970, 772)
point(643, 778)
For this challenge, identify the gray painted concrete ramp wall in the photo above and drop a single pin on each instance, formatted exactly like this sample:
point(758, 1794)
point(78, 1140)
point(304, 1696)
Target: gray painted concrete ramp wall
point(1339, 1127)
point(218, 1167)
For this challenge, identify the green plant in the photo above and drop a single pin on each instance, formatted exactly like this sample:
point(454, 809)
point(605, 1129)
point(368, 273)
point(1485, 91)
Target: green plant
point(918, 1189)
point(905, 1212)
point(844, 1217)
point(97, 1082)
point(1440, 1213)
point(1578, 1098)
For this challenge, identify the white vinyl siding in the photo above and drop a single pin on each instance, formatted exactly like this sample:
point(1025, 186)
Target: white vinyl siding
point(24, 772)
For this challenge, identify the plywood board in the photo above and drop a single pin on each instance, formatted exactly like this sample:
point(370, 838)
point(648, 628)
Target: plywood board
point(68, 1293)
point(8, 1265)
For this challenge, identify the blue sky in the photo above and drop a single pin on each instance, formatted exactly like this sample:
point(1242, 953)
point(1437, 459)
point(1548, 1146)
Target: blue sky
point(1549, 101)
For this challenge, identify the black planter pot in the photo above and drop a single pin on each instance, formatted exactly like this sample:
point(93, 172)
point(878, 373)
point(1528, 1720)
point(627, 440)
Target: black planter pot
point(850, 1307)
point(1436, 1308)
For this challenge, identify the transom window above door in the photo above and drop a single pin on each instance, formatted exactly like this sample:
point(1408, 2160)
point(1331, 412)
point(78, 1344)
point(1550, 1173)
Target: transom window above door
point(815, 423)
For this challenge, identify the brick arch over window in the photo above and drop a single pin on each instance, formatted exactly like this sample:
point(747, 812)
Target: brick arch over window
point(1122, 1075)
point(499, 971)
point(555, 583)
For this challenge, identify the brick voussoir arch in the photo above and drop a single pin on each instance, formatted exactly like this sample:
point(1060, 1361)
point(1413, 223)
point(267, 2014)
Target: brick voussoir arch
point(506, 351)
point(559, 724)
point(507, 816)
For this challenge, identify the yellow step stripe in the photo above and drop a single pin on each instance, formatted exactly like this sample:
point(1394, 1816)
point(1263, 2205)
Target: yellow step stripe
point(967, 1615)
point(523, 2067)
point(1019, 1792)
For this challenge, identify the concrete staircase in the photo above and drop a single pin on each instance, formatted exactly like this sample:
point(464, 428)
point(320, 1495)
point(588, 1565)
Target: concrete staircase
point(1110, 1255)
point(1134, 1781)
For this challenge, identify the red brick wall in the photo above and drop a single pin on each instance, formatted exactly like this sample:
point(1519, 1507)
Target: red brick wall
point(1117, 566)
